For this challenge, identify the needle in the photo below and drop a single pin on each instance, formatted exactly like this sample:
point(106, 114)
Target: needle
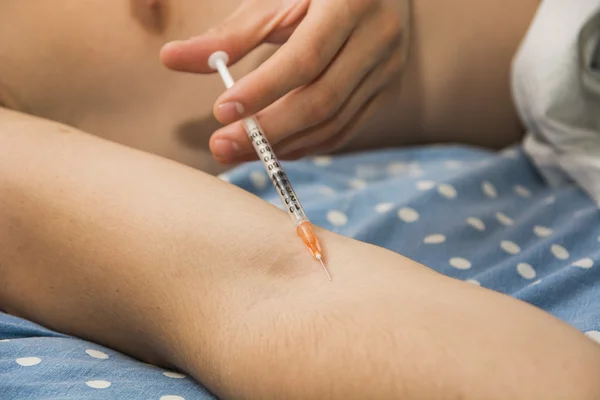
point(324, 267)
point(263, 148)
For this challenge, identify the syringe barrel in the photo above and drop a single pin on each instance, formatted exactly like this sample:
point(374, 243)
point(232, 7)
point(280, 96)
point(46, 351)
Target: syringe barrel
point(276, 174)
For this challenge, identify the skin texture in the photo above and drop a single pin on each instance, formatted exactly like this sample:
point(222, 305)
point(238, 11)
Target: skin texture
point(141, 254)
point(123, 248)
point(102, 74)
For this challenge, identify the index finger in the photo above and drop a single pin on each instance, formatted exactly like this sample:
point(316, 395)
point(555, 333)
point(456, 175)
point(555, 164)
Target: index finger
point(252, 23)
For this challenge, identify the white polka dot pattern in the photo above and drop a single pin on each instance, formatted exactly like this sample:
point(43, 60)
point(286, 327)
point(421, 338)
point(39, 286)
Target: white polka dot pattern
point(337, 218)
point(408, 215)
point(357, 183)
point(384, 207)
point(28, 361)
point(397, 168)
point(425, 185)
point(96, 354)
point(522, 191)
point(447, 191)
point(326, 191)
point(435, 239)
point(542, 231)
point(460, 263)
point(585, 263)
point(98, 384)
point(322, 161)
point(559, 252)
point(526, 271)
point(594, 335)
point(489, 190)
point(476, 223)
point(504, 219)
point(173, 375)
point(259, 180)
point(510, 247)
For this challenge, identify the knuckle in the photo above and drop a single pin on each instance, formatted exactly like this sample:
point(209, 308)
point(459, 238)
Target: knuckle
point(306, 63)
point(357, 8)
point(324, 102)
point(320, 137)
point(340, 140)
point(392, 70)
point(311, 62)
point(391, 26)
point(309, 70)
point(314, 139)
point(395, 66)
point(333, 145)
point(318, 112)
point(335, 128)
point(330, 137)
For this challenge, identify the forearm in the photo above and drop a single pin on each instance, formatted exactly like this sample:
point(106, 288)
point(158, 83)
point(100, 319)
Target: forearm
point(176, 267)
point(99, 240)
point(388, 327)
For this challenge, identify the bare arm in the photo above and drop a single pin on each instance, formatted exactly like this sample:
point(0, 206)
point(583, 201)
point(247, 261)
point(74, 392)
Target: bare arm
point(145, 256)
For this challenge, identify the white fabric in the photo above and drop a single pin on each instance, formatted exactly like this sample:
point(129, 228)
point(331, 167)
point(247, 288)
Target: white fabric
point(560, 111)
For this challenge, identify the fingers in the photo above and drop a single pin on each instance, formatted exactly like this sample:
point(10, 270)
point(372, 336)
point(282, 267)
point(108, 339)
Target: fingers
point(340, 129)
point(318, 102)
point(293, 17)
point(307, 53)
point(342, 136)
point(327, 135)
point(252, 23)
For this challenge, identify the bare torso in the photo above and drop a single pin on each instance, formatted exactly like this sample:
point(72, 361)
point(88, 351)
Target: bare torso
point(94, 65)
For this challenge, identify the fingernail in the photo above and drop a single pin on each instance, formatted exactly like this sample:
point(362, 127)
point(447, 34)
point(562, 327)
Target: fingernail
point(225, 148)
point(229, 112)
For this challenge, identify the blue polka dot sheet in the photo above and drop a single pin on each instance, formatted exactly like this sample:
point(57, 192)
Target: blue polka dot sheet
point(483, 217)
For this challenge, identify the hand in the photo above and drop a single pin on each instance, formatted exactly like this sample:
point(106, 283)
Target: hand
point(333, 70)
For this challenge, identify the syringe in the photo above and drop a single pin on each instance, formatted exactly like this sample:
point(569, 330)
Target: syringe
point(264, 150)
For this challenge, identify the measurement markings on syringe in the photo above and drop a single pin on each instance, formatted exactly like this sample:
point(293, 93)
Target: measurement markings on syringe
point(267, 157)
point(264, 150)
point(282, 183)
point(279, 178)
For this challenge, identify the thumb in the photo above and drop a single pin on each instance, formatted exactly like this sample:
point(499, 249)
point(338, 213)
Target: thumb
point(252, 23)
